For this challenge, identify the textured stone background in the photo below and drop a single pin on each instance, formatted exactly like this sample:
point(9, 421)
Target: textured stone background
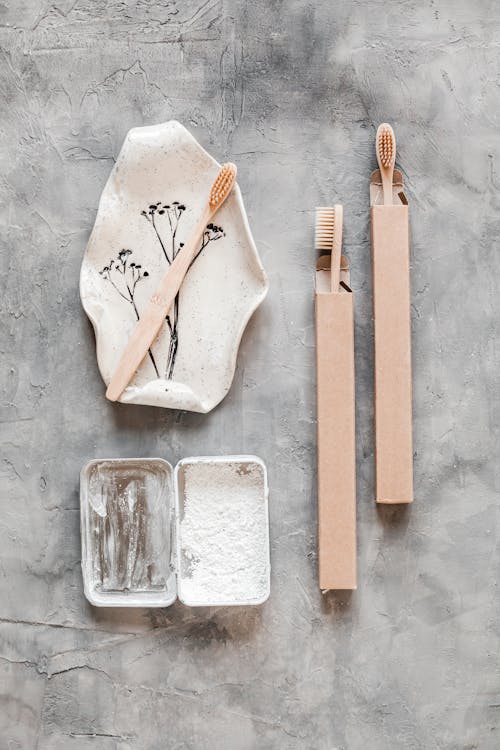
point(292, 91)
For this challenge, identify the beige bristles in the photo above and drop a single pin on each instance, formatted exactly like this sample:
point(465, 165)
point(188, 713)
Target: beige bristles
point(325, 228)
point(386, 145)
point(328, 238)
point(223, 185)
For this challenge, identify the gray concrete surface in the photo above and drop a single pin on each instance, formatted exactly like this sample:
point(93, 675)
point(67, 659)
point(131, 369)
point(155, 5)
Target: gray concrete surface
point(292, 91)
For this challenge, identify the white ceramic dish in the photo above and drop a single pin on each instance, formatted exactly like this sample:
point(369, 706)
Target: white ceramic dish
point(150, 203)
point(133, 550)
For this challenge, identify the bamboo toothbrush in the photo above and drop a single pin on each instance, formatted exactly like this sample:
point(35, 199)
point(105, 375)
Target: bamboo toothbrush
point(335, 408)
point(155, 313)
point(328, 238)
point(386, 157)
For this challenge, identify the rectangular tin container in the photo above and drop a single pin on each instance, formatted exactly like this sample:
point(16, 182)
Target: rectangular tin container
point(131, 530)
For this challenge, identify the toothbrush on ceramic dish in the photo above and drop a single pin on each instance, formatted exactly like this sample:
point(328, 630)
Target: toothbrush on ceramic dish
point(386, 158)
point(335, 407)
point(160, 303)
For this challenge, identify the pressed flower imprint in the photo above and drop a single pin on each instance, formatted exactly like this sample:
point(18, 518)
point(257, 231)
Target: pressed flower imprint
point(124, 277)
point(124, 274)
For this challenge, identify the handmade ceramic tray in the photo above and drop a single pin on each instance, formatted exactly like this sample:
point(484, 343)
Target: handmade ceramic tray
point(147, 538)
point(149, 205)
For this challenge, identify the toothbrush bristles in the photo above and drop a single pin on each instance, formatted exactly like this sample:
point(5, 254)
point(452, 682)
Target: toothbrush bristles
point(386, 146)
point(222, 185)
point(325, 228)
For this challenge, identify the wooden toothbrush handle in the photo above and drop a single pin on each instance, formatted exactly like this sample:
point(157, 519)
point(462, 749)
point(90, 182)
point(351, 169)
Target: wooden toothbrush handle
point(154, 315)
point(336, 248)
point(387, 180)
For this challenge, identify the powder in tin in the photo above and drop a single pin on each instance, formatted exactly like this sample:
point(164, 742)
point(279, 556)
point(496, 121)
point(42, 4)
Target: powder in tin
point(223, 534)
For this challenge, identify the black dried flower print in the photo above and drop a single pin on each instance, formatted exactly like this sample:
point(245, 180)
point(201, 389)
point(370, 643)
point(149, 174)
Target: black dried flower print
point(165, 219)
point(124, 274)
point(173, 212)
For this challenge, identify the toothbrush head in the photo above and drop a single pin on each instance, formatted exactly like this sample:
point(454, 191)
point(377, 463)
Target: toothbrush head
point(222, 185)
point(325, 228)
point(328, 227)
point(386, 146)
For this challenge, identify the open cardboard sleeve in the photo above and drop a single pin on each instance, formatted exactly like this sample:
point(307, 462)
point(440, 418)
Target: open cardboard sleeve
point(391, 312)
point(336, 439)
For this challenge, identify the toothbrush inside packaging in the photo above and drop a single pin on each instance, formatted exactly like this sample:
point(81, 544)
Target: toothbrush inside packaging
point(335, 407)
point(391, 312)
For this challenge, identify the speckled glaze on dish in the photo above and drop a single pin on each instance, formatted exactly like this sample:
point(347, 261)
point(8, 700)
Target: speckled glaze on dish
point(152, 199)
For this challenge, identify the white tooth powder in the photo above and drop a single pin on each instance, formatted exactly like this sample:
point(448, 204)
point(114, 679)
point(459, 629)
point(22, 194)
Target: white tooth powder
point(224, 533)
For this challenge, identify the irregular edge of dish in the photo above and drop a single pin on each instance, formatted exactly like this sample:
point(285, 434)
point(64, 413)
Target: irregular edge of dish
point(242, 459)
point(90, 595)
point(134, 393)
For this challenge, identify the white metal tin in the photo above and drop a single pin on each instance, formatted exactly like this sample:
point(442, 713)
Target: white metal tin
point(145, 531)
